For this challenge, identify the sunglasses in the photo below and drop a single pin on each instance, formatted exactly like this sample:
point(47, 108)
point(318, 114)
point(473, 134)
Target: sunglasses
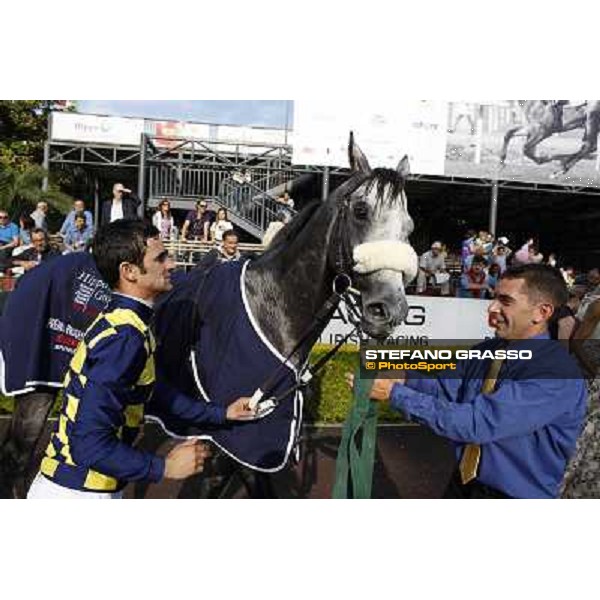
point(3, 216)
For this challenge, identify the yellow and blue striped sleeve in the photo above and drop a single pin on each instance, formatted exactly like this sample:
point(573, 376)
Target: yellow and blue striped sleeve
point(112, 368)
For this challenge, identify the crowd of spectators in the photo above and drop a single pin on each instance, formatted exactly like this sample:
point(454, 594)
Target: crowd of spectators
point(471, 273)
point(474, 272)
point(25, 244)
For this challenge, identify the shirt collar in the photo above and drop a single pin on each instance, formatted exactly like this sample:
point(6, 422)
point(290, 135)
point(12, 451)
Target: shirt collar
point(541, 336)
point(143, 308)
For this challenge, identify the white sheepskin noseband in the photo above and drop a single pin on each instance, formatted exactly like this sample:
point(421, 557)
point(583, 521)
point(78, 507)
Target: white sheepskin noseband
point(397, 256)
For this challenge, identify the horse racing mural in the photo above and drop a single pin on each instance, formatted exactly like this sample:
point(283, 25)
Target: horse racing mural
point(232, 329)
point(542, 141)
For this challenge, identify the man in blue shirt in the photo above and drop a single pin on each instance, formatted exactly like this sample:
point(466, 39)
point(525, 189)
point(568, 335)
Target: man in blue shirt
point(525, 429)
point(78, 239)
point(9, 235)
point(69, 225)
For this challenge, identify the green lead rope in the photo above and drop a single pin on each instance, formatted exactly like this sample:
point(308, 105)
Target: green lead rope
point(356, 454)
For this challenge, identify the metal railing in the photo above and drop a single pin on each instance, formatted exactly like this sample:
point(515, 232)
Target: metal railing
point(250, 204)
point(187, 253)
point(186, 181)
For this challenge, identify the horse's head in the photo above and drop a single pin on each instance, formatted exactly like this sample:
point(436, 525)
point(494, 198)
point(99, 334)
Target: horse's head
point(372, 241)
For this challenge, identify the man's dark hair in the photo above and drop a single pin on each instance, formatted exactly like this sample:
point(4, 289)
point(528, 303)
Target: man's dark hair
point(42, 231)
point(542, 283)
point(478, 260)
point(230, 233)
point(121, 241)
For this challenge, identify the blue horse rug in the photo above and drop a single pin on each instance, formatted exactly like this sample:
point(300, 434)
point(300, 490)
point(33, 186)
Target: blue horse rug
point(44, 319)
point(209, 344)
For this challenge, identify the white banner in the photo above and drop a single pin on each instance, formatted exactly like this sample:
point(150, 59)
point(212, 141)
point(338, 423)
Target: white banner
point(75, 127)
point(258, 135)
point(429, 318)
point(385, 131)
point(241, 135)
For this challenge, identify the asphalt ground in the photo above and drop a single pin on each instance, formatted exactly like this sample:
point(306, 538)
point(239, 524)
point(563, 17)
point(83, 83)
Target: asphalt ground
point(410, 462)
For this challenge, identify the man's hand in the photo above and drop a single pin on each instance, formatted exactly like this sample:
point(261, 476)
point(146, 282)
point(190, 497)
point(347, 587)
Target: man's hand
point(240, 410)
point(382, 388)
point(126, 190)
point(186, 459)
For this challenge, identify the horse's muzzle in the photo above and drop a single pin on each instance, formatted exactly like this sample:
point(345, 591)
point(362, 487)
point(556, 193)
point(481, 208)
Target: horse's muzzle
point(384, 304)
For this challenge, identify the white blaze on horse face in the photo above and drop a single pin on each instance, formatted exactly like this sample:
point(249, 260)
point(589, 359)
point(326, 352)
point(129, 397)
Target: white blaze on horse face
point(385, 245)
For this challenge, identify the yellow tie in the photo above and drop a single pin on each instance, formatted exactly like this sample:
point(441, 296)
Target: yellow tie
point(469, 462)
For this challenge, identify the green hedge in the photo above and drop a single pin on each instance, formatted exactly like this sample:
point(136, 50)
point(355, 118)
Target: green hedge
point(6, 404)
point(328, 400)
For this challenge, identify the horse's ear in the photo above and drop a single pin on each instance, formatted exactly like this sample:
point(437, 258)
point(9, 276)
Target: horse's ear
point(403, 167)
point(358, 161)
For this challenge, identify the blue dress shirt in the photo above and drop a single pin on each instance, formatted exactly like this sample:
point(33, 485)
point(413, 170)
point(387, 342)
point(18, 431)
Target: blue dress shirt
point(68, 225)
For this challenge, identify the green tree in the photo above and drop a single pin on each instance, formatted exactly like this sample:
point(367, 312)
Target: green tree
point(23, 131)
point(22, 189)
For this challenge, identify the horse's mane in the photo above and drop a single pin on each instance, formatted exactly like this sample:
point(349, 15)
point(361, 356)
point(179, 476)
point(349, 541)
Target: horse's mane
point(383, 178)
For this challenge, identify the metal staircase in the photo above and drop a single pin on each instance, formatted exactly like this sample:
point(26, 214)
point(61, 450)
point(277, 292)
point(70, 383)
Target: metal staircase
point(250, 205)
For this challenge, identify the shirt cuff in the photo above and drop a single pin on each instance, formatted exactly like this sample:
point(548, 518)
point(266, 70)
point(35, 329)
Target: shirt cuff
point(216, 414)
point(157, 469)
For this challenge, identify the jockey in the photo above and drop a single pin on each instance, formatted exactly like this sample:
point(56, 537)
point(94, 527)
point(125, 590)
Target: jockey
point(111, 380)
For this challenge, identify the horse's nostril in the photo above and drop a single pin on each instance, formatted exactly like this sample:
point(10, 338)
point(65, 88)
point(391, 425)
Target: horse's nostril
point(378, 310)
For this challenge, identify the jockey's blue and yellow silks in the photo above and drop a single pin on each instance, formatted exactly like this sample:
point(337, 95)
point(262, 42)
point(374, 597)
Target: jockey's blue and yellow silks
point(205, 323)
point(56, 302)
point(108, 387)
point(527, 428)
point(44, 320)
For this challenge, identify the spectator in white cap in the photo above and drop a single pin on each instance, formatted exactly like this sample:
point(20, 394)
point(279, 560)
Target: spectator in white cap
point(432, 270)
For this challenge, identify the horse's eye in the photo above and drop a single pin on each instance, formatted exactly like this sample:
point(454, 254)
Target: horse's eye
point(361, 210)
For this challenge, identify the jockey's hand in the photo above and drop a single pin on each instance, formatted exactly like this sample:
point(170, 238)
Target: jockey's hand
point(382, 388)
point(240, 410)
point(186, 459)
